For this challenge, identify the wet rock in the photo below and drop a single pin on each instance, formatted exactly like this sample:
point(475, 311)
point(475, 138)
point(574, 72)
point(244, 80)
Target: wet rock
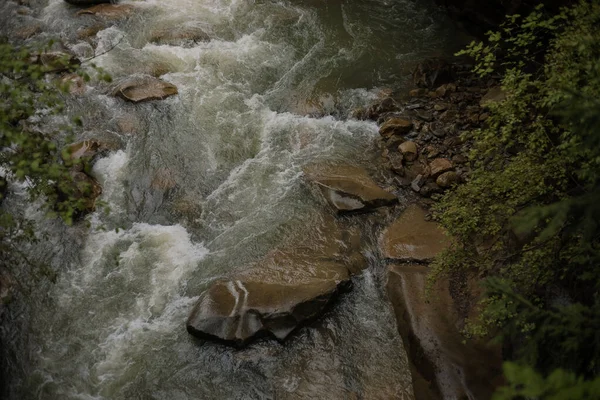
point(286, 289)
point(460, 159)
point(441, 107)
point(409, 150)
point(348, 188)
point(439, 166)
point(395, 126)
point(424, 116)
point(417, 183)
point(27, 32)
point(433, 73)
point(449, 116)
point(109, 11)
point(494, 95)
point(396, 162)
point(179, 35)
point(129, 124)
point(429, 189)
point(444, 366)
point(385, 106)
point(418, 92)
point(90, 31)
point(447, 179)
point(145, 88)
point(411, 237)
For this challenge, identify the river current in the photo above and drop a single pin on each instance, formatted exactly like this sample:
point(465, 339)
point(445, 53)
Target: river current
point(209, 182)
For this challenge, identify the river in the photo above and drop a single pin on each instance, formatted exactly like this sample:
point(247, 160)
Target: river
point(209, 182)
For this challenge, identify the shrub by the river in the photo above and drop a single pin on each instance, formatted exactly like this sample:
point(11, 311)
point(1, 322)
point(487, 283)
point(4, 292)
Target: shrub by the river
point(527, 221)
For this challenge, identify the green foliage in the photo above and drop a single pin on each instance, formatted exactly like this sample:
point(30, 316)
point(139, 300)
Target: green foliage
point(525, 382)
point(527, 220)
point(31, 95)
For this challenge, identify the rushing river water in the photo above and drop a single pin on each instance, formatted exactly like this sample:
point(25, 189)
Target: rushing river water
point(210, 181)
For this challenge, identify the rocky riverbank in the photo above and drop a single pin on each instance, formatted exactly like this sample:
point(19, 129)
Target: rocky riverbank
point(425, 143)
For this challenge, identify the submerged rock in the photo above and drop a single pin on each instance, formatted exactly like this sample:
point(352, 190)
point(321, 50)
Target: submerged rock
point(145, 88)
point(348, 188)
point(284, 290)
point(109, 11)
point(412, 238)
point(178, 35)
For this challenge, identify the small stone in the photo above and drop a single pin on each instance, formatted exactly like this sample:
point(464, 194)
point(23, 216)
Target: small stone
point(441, 91)
point(439, 166)
point(91, 31)
point(459, 159)
point(418, 93)
point(395, 126)
point(447, 179)
point(449, 116)
point(424, 116)
point(396, 160)
point(417, 182)
point(440, 107)
point(409, 150)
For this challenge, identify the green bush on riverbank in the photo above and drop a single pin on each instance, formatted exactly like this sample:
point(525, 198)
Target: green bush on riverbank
point(528, 219)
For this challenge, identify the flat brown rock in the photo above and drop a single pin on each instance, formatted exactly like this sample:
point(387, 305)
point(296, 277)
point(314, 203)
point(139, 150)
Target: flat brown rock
point(348, 188)
point(411, 237)
point(178, 35)
point(145, 88)
point(428, 325)
point(285, 289)
point(395, 126)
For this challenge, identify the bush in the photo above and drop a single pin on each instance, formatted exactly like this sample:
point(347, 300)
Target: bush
point(527, 220)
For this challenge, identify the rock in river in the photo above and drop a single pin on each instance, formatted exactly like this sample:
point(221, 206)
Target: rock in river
point(348, 188)
point(288, 287)
point(109, 11)
point(412, 238)
point(144, 88)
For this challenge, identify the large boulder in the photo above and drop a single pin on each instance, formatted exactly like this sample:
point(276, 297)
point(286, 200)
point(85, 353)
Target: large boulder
point(281, 292)
point(443, 365)
point(348, 188)
point(144, 88)
point(412, 238)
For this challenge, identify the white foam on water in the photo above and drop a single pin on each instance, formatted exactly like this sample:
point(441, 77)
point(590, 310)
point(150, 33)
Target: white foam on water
point(110, 172)
point(151, 266)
